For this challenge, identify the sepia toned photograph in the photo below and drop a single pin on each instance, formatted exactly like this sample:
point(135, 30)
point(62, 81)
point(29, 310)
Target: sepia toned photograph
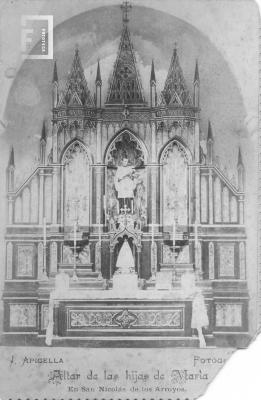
point(129, 174)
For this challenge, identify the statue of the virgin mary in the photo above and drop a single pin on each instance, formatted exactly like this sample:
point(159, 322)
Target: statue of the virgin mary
point(125, 262)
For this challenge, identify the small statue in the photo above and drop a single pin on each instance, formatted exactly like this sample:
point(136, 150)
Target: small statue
point(67, 255)
point(84, 255)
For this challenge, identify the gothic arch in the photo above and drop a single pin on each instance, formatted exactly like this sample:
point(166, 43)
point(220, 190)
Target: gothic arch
point(181, 145)
point(126, 144)
point(174, 159)
point(133, 138)
point(72, 143)
point(76, 182)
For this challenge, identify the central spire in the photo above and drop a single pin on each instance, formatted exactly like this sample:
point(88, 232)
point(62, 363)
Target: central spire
point(125, 86)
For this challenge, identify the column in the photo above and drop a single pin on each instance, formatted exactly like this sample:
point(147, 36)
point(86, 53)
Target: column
point(154, 171)
point(197, 194)
point(41, 196)
point(54, 142)
point(196, 150)
point(55, 189)
point(210, 197)
point(10, 210)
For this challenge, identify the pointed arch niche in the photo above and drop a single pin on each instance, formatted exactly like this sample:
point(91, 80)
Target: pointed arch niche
point(174, 191)
point(77, 184)
point(126, 145)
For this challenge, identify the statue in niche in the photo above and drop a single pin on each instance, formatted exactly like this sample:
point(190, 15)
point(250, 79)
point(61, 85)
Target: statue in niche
point(67, 255)
point(85, 255)
point(125, 182)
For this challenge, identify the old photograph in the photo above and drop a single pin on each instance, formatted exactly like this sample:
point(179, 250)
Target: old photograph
point(129, 171)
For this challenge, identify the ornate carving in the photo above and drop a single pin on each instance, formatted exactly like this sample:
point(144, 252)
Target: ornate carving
point(76, 91)
point(229, 315)
point(23, 315)
point(226, 260)
point(175, 91)
point(25, 258)
point(126, 319)
point(125, 84)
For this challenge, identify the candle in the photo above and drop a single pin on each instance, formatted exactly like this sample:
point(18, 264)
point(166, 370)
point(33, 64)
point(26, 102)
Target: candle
point(174, 232)
point(100, 234)
point(196, 244)
point(44, 231)
point(104, 203)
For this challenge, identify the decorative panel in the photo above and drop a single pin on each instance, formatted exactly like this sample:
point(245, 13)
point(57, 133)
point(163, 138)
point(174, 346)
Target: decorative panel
point(53, 255)
point(34, 200)
point(204, 199)
point(40, 259)
point(126, 319)
point(175, 179)
point(77, 185)
point(211, 260)
point(233, 209)
point(225, 204)
point(217, 200)
point(228, 315)
point(44, 316)
point(226, 260)
point(48, 198)
point(18, 209)
point(242, 260)
point(25, 260)
point(9, 260)
point(23, 315)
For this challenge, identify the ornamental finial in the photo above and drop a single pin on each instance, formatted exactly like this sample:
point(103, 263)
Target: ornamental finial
point(126, 7)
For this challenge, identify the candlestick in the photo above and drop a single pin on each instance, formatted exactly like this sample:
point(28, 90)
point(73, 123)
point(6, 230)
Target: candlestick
point(75, 278)
point(196, 244)
point(152, 233)
point(100, 234)
point(44, 231)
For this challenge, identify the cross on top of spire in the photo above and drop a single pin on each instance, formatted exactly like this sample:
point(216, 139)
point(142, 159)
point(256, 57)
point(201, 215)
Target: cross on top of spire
point(125, 7)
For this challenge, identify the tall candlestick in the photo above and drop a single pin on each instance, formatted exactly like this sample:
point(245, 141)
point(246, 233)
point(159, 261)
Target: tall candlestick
point(44, 231)
point(174, 232)
point(152, 233)
point(104, 204)
point(75, 278)
point(196, 244)
point(100, 234)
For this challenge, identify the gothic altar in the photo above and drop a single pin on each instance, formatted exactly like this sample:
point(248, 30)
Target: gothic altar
point(123, 213)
